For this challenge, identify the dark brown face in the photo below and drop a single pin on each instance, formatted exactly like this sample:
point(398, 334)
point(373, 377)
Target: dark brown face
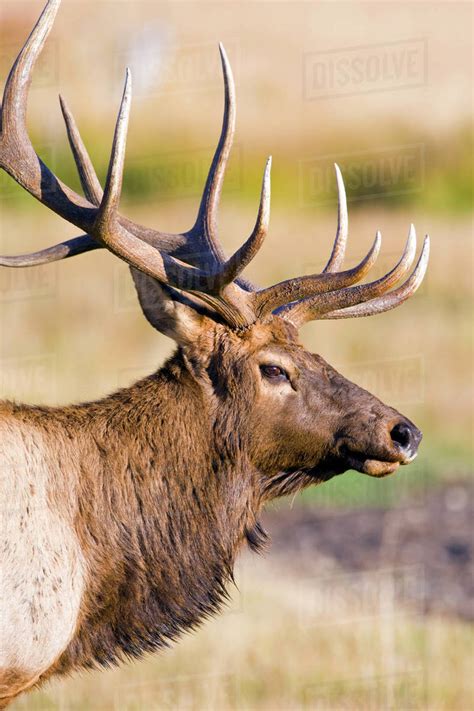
point(305, 416)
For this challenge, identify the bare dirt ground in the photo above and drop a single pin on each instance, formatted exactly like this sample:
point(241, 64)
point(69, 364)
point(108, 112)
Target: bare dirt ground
point(433, 536)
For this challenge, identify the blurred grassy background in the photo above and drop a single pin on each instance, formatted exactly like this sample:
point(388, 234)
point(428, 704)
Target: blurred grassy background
point(403, 138)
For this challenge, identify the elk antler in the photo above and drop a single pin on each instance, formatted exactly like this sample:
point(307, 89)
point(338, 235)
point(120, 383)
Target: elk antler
point(212, 278)
point(191, 261)
point(336, 304)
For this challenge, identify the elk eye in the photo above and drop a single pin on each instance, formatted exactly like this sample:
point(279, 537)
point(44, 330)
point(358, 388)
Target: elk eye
point(274, 372)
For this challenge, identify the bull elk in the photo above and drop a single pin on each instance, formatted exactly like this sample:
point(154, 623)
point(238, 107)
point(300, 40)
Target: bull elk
point(123, 517)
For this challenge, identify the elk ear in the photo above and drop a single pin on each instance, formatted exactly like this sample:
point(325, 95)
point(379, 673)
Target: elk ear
point(165, 312)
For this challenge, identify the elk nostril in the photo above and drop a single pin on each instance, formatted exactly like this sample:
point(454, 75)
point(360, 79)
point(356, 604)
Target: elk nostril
point(402, 435)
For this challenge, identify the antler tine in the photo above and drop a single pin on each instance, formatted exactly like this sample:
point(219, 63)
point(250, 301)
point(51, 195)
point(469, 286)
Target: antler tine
point(394, 298)
point(244, 255)
point(16, 88)
point(87, 175)
point(93, 192)
point(108, 210)
point(339, 249)
point(315, 307)
point(268, 300)
point(92, 187)
point(63, 250)
point(205, 227)
point(17, 155)
point(108, 230)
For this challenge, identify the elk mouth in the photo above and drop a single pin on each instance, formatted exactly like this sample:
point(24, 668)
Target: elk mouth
point(333, 465)
point(372, 467)
point(383, 461)
point(368, 463)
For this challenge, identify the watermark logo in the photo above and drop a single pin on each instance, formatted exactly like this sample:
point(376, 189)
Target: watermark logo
point(26, 284)
point(397, 380)
point(163, 69)
point(179, 174)
point(376, 173)
point(364, 69)
point(194, 67)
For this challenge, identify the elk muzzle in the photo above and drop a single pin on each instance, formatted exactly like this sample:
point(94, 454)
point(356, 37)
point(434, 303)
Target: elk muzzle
point(394, 444)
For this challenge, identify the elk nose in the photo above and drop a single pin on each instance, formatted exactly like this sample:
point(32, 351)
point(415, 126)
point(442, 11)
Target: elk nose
point(407, 437)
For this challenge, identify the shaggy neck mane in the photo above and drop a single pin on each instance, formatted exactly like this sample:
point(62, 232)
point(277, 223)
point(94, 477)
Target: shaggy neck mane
point(163, 500)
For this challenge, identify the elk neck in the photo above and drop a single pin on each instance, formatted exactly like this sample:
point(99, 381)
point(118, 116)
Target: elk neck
point(162, 499)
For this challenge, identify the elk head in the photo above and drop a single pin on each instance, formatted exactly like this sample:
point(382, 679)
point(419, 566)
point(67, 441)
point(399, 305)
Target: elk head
point(301, 421)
